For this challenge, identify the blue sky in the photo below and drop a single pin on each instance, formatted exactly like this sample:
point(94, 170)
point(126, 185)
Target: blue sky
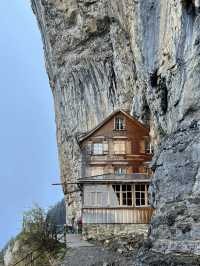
point(28, 152)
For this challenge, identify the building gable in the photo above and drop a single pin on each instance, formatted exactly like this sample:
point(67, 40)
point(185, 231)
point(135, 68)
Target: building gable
point(109, 124)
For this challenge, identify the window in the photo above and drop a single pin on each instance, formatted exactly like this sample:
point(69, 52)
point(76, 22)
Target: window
point(143, 169)
point(127, 195)
point(132, 195)
point(120, 171)
point(124, 194)
point(97, 198)
point(148, 146)
point(97, 148)
point(119, 147)
point(117, 189)
point(146, 170)
point(147, 189)
point(140, 191)
point(119, 123)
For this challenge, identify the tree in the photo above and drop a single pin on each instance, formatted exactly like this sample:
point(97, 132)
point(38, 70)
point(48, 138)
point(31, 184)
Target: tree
point(40, 235)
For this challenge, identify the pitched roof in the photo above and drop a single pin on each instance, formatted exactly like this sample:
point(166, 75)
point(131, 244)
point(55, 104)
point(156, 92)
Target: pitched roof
point(92, 131)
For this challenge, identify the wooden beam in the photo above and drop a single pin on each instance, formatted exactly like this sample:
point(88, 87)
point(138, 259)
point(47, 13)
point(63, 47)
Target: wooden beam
point(61, 184)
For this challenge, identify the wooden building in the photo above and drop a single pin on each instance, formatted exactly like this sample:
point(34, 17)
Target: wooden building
point(115, 174)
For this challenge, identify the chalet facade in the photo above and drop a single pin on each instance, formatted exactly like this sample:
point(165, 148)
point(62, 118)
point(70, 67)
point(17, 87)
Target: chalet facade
point(115, 173)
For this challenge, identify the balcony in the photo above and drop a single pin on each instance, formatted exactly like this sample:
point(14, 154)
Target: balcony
point(133, 215)
point(107, 158)
point(120, 133)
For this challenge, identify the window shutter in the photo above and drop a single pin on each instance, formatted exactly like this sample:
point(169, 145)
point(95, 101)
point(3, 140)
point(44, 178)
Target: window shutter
point(119, 147)
point(89, 148)
point(105, 198)
point(129, 147)
point(142, 146)
point(105, 147)
point(99, 199)
point(115, 147)
point(123, 147)
point(93, 198)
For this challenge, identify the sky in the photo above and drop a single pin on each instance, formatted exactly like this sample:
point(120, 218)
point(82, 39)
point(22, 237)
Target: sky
point(28, 151)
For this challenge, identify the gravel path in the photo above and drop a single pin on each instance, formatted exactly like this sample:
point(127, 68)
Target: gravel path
point(94, 256)
point(83, 253)
point(76, 241)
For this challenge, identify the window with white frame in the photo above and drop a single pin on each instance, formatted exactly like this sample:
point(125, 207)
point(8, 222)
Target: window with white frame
point(117, 190)
point(132, 195)
point(119, 147)
point(127, 195)
point(119, 123)
point(97, 148)
point(140, 195)
point(120, 170)
point(147, 170)
point(148, 146)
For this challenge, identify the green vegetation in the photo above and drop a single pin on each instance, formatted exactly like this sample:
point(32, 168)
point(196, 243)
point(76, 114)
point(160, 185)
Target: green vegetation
point(1, 257)
point(40, 234)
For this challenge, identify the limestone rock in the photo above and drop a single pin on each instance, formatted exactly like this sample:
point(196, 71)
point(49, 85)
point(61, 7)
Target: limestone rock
point(143, 56)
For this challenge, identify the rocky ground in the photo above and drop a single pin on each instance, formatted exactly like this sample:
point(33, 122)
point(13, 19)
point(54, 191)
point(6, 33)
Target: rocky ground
point(94, 256)
point(112, 251)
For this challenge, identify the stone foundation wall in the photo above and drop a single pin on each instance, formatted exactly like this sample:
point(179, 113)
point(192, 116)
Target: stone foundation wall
point(101, 231)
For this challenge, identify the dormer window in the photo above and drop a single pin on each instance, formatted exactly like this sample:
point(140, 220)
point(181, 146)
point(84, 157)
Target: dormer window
point(119, 123)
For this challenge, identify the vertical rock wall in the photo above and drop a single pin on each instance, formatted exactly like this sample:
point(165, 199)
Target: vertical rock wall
point(90, 68)
point(142, 55)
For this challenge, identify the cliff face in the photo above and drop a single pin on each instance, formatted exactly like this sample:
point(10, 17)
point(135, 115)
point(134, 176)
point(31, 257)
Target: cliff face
point(142, 56)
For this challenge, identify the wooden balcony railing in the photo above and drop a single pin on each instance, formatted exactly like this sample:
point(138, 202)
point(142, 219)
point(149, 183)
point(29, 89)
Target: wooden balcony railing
point(107, 157)
point(119, 133)
point(120, 215)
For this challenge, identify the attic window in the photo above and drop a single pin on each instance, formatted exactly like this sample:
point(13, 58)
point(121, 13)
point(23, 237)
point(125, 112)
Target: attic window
point(119, 123)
